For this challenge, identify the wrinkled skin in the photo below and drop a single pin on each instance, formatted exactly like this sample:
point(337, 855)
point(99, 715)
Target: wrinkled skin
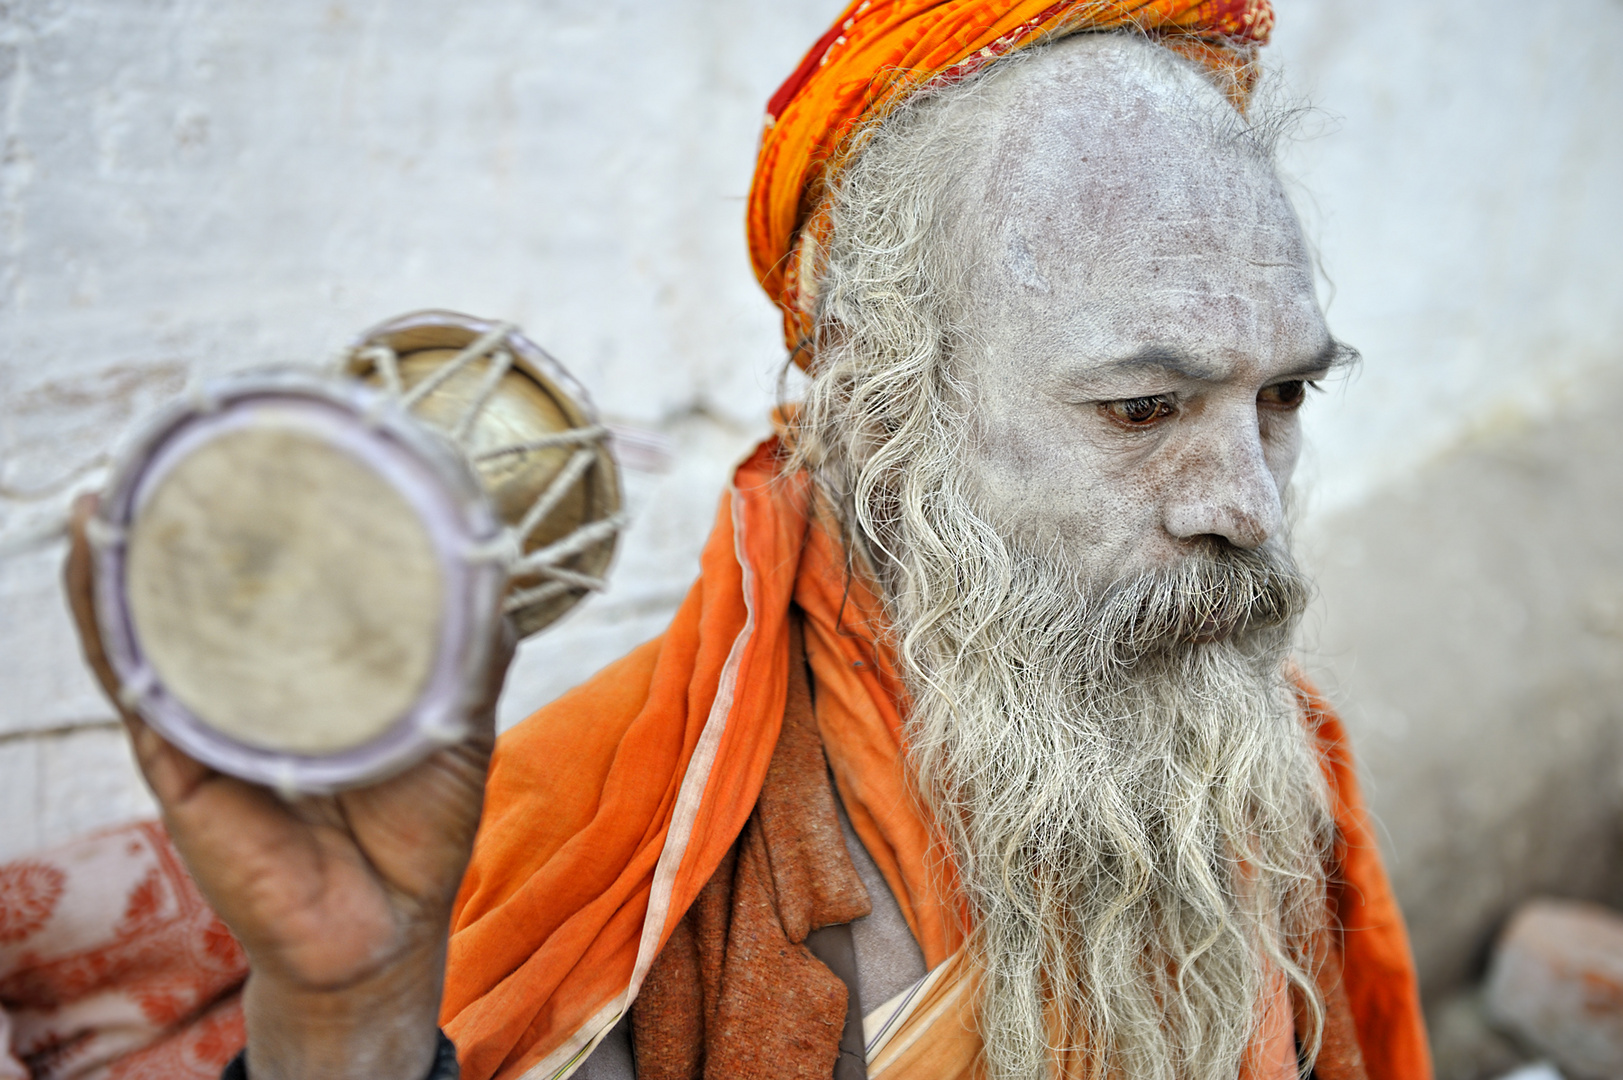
point(1144, 312)
point(1146, 318)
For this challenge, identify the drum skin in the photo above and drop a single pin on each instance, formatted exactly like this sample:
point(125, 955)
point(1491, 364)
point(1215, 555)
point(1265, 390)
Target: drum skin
point(308, 630)
point(296, 580)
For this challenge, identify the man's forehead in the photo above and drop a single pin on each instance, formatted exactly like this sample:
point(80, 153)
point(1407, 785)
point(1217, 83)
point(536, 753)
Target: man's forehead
point(1168, 346)
point(1107, 133)
point(1175, 362)
point(1118, 208)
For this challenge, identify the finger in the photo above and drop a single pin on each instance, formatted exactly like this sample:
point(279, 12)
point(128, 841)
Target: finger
point(251, 853)
point(171, 774)
point(78, 580)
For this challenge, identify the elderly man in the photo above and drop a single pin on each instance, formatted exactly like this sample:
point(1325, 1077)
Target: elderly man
point(976, 749)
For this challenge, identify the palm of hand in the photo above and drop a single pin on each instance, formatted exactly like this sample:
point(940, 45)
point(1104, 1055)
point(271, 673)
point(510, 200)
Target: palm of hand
point(324, 892)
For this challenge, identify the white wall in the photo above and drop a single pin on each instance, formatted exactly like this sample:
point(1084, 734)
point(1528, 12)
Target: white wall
point(191, 188)
point(1464, 490)
point(187, 188)
point(1462, 188)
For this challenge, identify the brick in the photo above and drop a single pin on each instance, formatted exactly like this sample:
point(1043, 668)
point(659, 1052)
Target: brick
point(1556, 982)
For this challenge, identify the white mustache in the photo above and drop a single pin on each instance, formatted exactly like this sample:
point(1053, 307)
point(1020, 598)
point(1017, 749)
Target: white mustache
point(1213, 595)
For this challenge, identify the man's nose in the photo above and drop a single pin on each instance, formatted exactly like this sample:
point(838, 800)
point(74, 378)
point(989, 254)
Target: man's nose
point(1227, 490)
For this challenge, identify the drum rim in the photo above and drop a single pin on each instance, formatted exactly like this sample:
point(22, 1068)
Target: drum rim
point(526, 353)
point(475, 574)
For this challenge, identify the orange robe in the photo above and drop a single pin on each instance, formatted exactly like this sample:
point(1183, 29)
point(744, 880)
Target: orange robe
point(609, 809)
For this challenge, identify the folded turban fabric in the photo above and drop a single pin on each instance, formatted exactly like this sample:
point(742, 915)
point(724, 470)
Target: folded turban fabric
point(880, 52)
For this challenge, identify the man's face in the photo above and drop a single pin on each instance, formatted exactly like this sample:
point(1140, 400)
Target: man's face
point(1144, 319)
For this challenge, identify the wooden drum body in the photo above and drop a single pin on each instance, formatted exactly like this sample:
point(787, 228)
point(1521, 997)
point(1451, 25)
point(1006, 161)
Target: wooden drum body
point(299, 575)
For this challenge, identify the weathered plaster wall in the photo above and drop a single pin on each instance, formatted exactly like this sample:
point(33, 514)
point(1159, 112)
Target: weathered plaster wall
point(1472, 624)
point(1464, 490)
point(190, 188)
point(193, 188)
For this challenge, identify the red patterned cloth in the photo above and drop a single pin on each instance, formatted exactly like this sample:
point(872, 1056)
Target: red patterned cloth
point(113, 967)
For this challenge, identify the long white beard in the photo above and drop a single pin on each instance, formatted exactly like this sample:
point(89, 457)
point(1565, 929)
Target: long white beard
point(1137, 815)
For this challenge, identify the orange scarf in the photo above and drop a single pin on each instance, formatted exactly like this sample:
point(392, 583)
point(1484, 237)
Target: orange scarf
point(609, 809)
point(880, 52)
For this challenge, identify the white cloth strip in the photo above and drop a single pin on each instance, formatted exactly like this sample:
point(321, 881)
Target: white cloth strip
point(697, 778)
point(880, 1025)
point(562, 1062)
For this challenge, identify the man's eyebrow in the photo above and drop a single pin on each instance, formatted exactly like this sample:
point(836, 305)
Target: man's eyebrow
point(1170, 360)
point(1335, 354)
point(1174, 361)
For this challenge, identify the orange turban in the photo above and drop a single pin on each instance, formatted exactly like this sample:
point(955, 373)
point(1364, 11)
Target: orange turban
point(878, 52)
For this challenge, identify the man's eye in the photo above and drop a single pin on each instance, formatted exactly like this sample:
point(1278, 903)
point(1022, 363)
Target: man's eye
point(1285, 395)
point(1139, 411)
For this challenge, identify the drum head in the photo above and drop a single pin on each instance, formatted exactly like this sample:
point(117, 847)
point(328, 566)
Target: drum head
point(289, 594)
point(285, 590)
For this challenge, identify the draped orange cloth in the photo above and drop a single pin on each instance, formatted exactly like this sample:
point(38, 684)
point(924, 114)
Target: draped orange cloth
point(879, 52)
point(608, 810)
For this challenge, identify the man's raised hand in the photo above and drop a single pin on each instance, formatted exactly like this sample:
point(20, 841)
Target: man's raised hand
point(342, 903)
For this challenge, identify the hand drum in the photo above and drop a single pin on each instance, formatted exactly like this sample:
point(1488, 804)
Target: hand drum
point(299, 575)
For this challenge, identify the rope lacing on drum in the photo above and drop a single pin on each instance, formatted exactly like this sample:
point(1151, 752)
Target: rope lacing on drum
point(508, 547)
point(481, 346)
